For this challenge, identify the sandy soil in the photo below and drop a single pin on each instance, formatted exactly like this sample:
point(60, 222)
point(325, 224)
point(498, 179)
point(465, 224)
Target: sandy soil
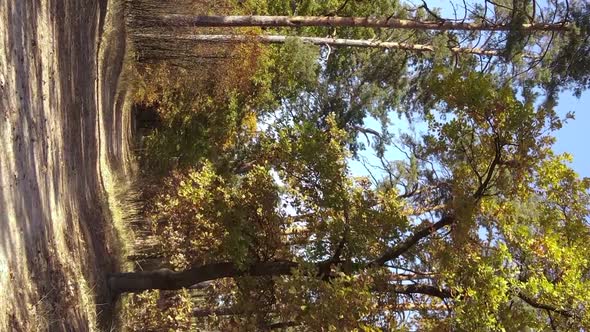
point(62, 139)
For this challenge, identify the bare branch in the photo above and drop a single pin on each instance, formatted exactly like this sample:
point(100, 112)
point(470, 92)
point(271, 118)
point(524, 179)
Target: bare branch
point(429, 11)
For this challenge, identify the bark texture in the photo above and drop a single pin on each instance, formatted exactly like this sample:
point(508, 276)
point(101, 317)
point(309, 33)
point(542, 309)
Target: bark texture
point(339, 21)
point(166, 279)
point(278, 39)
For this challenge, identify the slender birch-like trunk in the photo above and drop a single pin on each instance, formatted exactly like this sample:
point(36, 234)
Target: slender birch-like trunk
point(338, 21)
point(278, 39)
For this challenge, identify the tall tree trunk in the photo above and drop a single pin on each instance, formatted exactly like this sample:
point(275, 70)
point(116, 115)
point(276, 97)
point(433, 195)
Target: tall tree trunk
point(130, 282)
point(167, 279)
point(278, 39)
point(338, 21)
point(133, 282)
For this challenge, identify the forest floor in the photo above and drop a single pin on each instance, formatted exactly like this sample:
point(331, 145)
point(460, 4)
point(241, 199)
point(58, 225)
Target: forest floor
point(63, 153)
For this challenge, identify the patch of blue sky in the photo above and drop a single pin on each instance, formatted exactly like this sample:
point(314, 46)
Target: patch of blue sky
point(368, 164)
point(570, 139)
point(574, 137)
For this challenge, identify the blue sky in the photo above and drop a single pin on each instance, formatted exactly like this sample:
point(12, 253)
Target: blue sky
point(574, 137)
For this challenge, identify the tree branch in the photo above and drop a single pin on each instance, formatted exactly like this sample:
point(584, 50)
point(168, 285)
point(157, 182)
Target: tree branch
point(171, 280)
point(422, 289)
point(409, 242)
point(479, 193)
point(429, 11)
point(535, 304)
point(229, 311)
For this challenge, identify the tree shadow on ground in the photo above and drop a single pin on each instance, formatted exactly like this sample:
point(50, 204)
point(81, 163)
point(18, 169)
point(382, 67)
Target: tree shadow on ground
point(55, 227)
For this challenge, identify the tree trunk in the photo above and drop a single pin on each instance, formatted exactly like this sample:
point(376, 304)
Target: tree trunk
point(338, 21)
point(277, 39)
point(132, 282)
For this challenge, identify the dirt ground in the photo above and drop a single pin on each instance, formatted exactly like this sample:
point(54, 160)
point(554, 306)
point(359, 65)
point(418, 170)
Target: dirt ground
point(62, 145)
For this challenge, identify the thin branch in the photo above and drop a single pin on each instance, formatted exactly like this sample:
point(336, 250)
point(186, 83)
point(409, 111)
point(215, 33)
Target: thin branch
point(499, 5)
point(337, 11)
point(490, 172)
point(429, 11)
point(534, 303)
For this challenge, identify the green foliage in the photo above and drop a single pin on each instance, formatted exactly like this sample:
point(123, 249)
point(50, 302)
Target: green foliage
point(517, 38)
point(257, 149)
point(326, 306)
point(185, 216)
point(199, 119)
point(295, 68)
point(570, 65)
point(200, 217)
point(159, 311)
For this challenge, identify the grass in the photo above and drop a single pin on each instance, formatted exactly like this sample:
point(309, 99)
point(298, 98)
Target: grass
point(122, 195)
point(121, 199)
point(87, 302)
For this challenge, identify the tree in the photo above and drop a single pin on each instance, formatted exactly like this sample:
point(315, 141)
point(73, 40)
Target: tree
point(491, 223)
point(480, 227)
point(513, 30)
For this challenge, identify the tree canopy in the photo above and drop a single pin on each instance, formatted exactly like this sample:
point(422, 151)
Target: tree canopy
point(477, 225)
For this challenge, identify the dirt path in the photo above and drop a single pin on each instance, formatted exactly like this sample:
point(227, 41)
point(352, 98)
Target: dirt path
point(62, 133)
